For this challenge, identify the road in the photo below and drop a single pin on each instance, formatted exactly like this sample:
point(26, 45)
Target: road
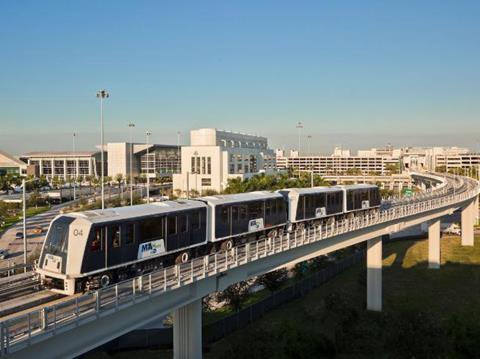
point(34, 241)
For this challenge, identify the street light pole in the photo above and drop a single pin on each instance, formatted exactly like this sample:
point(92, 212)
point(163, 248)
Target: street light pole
point(24, 208)
point(74, 170)
point(102, 94)
point(299, 127)
point(308, 144)
point(178, 149)
point(131, 125)
point(148, 133)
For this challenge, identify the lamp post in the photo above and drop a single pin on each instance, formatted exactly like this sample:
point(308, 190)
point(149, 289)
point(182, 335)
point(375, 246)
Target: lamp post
point(147, 134)
point(299, 127)
point(75, 169)
point(24, 210)
point(178, 149)
point(102, 95)
point(131, 125)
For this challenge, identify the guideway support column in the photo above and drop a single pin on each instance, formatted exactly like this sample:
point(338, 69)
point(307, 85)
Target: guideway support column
point(187, 331)
point(434, 244)
point(468, 218)
point(374, 274)
point(476, 205)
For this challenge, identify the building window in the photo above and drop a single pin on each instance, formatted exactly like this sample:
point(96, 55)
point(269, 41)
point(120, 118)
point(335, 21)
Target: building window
point(206, 181)
point(209, 165)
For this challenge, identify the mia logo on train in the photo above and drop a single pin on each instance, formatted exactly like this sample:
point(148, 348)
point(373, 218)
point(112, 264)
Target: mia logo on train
point(152, 248)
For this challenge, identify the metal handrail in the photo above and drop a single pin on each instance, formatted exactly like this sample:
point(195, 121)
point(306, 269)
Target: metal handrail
point(49, 319)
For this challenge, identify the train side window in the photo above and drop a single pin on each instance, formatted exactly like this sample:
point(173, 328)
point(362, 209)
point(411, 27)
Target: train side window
point(268, 208)
point(224, 215)
point(243, 212)
point(195, 220)
point(172, 225)
point(114, 236)
point(235, 213)
point(97, 240)
point(182, 223)
point(129, 233)
point(151, 228)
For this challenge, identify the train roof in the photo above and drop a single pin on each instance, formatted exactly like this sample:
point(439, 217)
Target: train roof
point(357, 186)
point(123, 213)
point(240, 197)
point(311, 190)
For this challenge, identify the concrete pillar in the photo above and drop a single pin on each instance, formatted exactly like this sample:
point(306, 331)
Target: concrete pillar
point(468, 215)
point(434, 244)
point(374, 274)
point(476, 205)
point(187, 331)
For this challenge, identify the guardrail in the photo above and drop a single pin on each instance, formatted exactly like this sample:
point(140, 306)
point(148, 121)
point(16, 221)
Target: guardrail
point(50, 320)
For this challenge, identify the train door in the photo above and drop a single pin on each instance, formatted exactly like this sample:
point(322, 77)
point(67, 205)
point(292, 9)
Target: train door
point(183, 234)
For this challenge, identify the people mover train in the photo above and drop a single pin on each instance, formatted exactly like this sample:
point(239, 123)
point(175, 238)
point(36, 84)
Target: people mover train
point(92, 249)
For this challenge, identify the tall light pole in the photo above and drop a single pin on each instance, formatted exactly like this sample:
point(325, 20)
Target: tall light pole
point(131, 125)
point(102, 95)
point(309, 138)
point(24, 210)
point(147, 134)
point(178, 148)
point(299, 128)
point(75, 168)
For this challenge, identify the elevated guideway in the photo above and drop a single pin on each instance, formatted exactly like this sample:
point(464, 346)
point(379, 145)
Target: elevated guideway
point(77, 325)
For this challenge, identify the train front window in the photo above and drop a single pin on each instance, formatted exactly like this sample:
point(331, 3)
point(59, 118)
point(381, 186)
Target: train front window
point(57, 239)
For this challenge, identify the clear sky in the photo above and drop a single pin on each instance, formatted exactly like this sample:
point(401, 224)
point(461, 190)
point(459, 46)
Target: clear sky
point(354, 72)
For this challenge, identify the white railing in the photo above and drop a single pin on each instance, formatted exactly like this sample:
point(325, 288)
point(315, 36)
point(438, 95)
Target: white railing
point(48, 320)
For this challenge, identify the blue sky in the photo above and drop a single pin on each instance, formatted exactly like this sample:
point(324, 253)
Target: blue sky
point(354, 72)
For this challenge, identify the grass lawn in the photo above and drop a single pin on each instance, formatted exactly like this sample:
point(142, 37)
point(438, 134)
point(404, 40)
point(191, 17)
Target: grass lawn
point(32, 211)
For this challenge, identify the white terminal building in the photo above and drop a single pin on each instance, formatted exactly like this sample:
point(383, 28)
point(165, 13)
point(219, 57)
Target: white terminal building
point(214, 156)
point(153, 160)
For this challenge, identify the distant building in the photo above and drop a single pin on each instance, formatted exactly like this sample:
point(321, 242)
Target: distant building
point(64, 164)
point(380, 160)
point(161, 160)
point(214, 156)
point(11, 165)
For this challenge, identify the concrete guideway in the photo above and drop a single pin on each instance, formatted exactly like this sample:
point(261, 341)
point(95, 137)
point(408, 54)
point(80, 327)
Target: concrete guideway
point(84, 322)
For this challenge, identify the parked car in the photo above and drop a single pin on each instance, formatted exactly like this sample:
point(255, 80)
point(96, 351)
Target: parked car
point(19, 235)
point(3, 253)
point(451, 229)
point(37, 230)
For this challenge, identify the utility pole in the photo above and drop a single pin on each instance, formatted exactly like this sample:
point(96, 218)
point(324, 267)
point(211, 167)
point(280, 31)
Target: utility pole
point(102, 94)
point(299, 128)
point(147, 134)
point(131, 125)
point(75, 169)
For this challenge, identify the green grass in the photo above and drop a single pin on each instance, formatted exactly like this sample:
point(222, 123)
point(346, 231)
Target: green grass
point(31, 211)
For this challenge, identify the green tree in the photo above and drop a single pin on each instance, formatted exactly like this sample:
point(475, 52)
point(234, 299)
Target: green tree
point(273, 280)
point(236, 294)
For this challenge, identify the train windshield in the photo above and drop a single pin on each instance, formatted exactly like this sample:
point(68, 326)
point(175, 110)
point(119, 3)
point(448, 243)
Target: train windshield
point(57, 239)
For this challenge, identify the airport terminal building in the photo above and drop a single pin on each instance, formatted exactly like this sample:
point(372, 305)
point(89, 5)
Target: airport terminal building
point(214, 156)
